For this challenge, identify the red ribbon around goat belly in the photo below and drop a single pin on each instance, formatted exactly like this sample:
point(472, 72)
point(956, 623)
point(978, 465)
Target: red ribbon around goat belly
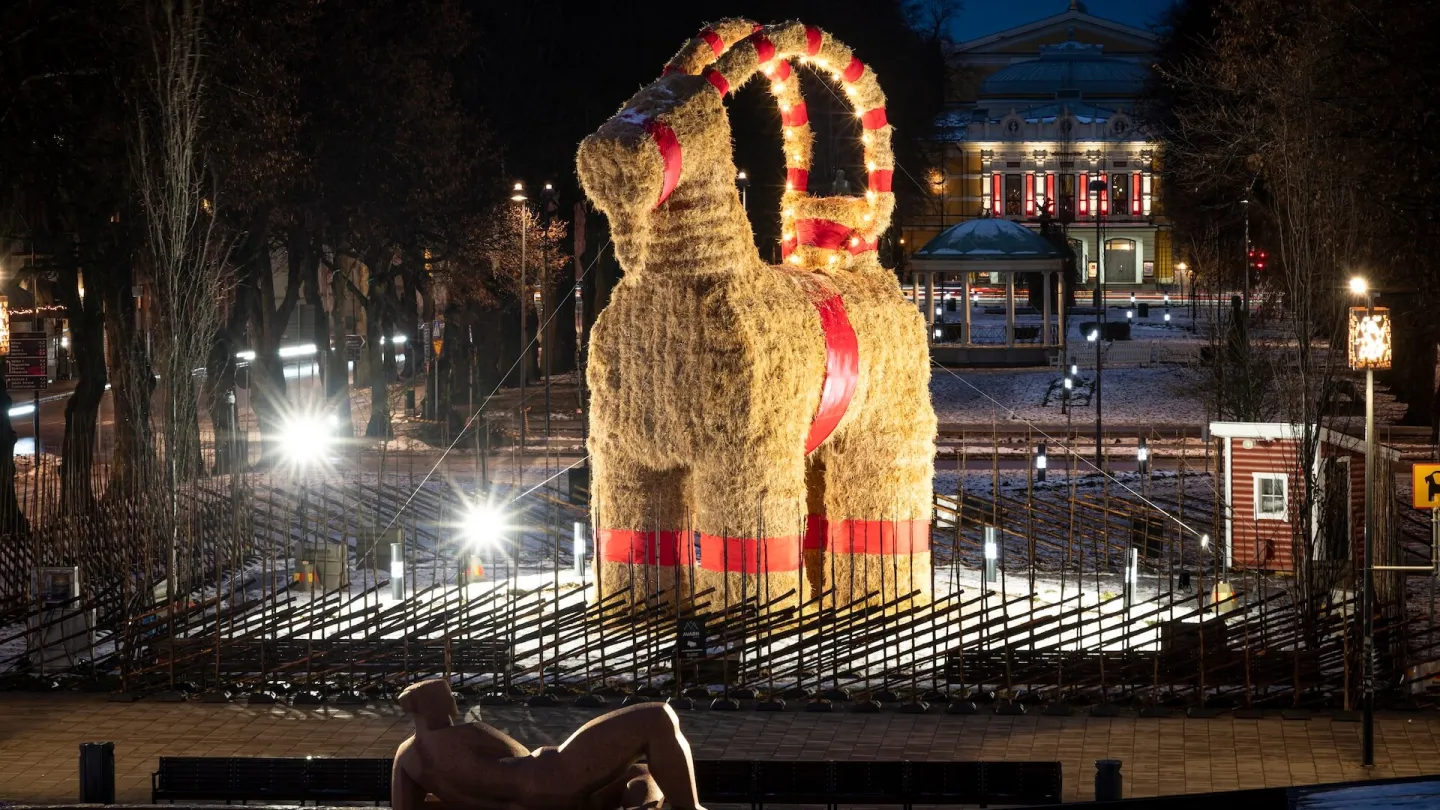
point(842, 361)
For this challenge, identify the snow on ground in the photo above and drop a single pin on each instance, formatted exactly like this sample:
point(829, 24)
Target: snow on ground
point(1159, 396)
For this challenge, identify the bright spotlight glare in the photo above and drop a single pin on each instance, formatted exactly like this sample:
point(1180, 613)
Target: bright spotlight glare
point(483, 526)
point(1358, 285)
point(305, 439)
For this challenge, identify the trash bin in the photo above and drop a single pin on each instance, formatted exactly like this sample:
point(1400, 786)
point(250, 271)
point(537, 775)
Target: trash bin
point(1144, 309)
point(1107, 780)
point(97, 773)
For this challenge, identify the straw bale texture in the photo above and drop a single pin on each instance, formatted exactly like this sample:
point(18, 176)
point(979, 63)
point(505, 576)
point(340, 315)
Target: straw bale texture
point(707, 368)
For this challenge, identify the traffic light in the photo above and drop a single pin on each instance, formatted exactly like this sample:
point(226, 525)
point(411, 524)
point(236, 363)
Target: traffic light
point(1257, 259)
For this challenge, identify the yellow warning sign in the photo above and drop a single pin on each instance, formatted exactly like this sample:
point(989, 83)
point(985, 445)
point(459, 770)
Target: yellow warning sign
point(1426, 478)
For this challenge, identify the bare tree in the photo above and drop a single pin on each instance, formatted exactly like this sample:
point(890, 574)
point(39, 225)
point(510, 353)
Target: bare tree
point(189, 283)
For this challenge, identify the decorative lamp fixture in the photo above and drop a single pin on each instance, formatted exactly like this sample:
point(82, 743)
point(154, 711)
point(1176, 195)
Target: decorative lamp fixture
point(397, 571)
point(991, 571)
point(1142, 456)
point(1074, 368)
point(1204, 541)
point(1167, 316)
point(1129, 314)
point(1167, 299)
point(1369, 337)
point(1132, 299)
point(1069, 383)
point(517, 194)
point(1041, 462)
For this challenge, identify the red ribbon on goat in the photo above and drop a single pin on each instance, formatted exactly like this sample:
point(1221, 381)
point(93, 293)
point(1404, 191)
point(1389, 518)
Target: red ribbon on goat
point(842, 370)
point(749, 555)
point(646, 548)
point(670, 155)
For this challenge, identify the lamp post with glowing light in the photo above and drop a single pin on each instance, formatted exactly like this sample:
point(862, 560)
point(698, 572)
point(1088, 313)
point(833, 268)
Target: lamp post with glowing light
point(1098, 186)
point(742, 181)
point(1369, 339)
point(517, 196)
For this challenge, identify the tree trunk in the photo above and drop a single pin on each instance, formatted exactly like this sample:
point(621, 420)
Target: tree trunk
point(12, 520)
point(77, 451)
point(381, 361)
point(337, 377)
point(132, 463)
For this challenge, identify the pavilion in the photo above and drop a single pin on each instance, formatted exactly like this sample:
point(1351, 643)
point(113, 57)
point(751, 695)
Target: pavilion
point(994, 250)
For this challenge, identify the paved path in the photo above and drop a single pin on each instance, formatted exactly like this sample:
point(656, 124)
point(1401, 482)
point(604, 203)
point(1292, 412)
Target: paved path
point(39, 736)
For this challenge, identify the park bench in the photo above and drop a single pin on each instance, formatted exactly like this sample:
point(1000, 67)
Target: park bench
point(903, 784)
point(755, 782)
point(321, 780)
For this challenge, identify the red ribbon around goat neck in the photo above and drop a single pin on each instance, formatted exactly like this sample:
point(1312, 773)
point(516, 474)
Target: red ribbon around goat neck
point(842, 370)
point(822, 233)
point(670, 155)
point(882, 180)
point(799, 179)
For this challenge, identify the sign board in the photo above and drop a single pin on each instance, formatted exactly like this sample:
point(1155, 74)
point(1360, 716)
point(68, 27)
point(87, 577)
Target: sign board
point(353, 345)
point(690, 639)
point(1426, 478)
point(14, 384)
point(27, 365)
point(437, 336)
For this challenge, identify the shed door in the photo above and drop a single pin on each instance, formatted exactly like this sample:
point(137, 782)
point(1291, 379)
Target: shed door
point(1334, 525)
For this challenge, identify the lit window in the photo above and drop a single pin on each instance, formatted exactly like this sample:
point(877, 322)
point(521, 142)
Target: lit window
point(1270, 503)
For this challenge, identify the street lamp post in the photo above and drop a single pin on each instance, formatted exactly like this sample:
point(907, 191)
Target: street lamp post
point(1098, 186)
point(743, 181)
point(1369, 339)
point(517, 196)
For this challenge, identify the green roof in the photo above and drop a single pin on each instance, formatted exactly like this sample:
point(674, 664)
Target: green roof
point(989, 238)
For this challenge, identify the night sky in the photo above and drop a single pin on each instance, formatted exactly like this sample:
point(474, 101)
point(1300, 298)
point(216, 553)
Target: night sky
point(982, 17)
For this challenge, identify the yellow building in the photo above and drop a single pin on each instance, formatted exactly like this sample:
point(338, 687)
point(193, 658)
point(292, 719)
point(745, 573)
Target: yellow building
point(1050, 109)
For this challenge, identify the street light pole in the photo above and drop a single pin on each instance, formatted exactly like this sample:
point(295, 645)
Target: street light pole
point(1369, 349)
point(518, 197)
point(1098, 186)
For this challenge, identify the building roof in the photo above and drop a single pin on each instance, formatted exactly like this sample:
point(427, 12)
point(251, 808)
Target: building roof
point(1071, 69)
point(989, 239)
point(1071, 18)
point(1291, 432)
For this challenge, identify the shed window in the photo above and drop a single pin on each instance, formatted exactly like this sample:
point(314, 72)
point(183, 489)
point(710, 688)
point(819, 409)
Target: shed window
point(1270, 496)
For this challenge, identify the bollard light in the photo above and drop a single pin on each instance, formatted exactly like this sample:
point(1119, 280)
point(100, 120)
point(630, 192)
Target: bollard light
point(1074, 368)
point(1132, 575)
point(1167, 299)
point(1132, 299)
point(397, 571)
point(1142, 455)
point(992, 554)
point(579, 550)
point(1167, 316)
point(1204, 541)
point(1129, 314)
point(1069, 384)
point(938, 333)
point(1041, 462)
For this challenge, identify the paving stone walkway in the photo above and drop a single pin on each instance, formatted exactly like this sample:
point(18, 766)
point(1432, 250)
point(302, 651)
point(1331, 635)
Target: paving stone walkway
point(39, 738)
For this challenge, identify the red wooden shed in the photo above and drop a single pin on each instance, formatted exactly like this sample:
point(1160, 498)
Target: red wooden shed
point(1263, 489)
